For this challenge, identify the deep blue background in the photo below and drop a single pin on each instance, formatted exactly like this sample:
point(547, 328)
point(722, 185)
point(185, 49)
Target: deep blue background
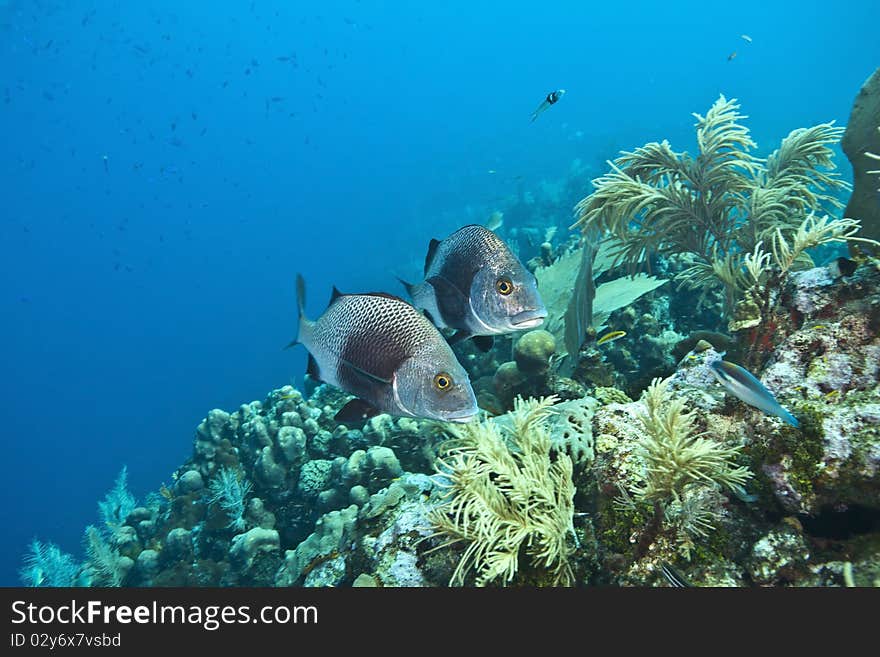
point(247, 141)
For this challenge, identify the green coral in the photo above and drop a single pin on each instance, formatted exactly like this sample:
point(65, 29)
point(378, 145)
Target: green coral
point(45, 564)
point(506, 496)
point(229, 490)
point(116, 505)
point(682, 473)
point(108, 567)
point(611, 395)
point(737, 215)
point(799, 450)
point(576, 306)
point(674, 457)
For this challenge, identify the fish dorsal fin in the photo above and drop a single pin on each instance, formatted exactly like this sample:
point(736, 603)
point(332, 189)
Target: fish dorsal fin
point(334, 295)
point(387, 296)
point(432, 251)
point(452, 303)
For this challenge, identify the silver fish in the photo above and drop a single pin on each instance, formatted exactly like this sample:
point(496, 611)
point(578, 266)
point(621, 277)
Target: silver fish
point(474, 284)
point(384, 351)
point(743, 385)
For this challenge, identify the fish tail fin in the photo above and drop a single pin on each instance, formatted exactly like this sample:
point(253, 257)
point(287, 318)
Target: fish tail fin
point(300, 310)
point(788, 417)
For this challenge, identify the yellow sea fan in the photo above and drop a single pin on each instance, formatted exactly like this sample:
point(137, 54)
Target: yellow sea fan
point(505, 494)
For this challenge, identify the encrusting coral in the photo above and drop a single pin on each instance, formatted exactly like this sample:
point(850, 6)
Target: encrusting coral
point(505, 493)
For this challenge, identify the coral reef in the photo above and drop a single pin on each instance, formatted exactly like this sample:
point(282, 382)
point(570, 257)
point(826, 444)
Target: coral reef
point(597, 462)
point(598, 489)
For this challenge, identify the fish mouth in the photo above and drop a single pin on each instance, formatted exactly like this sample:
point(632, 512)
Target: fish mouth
point(462, 417)
point(528, 319)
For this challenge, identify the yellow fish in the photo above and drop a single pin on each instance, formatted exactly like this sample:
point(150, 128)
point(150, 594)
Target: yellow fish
point(610, 337)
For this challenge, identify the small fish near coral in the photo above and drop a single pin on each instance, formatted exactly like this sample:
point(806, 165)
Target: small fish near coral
point(475, 285)
point(743, 385)
point(676, 579)
point(385, 352)
point(610, 337)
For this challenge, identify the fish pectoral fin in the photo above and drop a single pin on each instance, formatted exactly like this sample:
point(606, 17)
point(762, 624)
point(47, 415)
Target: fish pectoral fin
point(458, 336)
point(357, 410)
point(483, 342)
point(452, 303)
point(360, 372)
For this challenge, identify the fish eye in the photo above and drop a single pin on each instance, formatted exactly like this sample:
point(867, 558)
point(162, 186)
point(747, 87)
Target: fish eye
point(504, 286)
point(442, 381)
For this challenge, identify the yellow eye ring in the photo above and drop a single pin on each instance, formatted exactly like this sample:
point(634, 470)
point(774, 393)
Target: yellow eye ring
point(442, 381)
point(504, 286)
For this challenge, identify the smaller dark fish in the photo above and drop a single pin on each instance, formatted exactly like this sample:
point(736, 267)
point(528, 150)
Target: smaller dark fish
point(551, 99)
point(842, 267)
point(675, 578)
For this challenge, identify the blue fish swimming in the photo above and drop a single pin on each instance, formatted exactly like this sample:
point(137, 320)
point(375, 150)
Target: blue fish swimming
point(743, 385)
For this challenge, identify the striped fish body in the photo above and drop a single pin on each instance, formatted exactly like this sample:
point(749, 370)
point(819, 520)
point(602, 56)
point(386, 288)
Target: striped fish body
point(386, 353)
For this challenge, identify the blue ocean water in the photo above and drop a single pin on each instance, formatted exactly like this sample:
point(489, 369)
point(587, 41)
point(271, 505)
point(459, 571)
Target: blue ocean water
point(167, 168)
